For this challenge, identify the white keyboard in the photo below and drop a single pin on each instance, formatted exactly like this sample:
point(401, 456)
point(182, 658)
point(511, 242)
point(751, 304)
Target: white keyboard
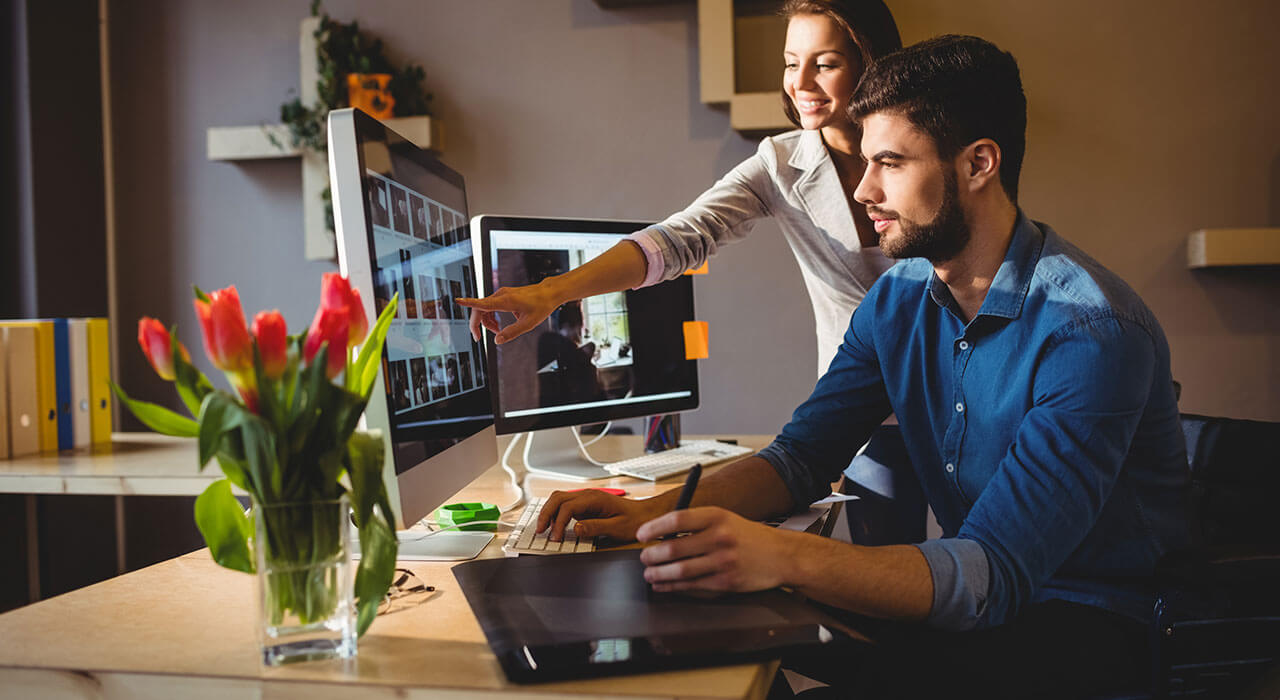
point(679, 460)
point(523, 540)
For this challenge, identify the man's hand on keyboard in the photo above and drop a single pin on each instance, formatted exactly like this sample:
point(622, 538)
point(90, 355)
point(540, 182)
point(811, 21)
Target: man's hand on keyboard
point(723, 552)
point(597, 514)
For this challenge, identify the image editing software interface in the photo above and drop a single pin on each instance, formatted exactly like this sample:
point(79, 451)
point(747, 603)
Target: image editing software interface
point(617, 355)
point(403, 233)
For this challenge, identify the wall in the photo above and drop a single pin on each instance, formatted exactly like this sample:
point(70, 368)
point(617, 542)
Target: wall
point(1148, 120)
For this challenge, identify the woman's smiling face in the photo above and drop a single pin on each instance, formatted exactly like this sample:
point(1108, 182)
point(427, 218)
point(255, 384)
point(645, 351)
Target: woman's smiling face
point(822, 69)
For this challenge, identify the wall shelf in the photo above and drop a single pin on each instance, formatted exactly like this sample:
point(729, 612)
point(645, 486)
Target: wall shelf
point(233, 143)
point(1233, 247)
point(254, 142)
point(748, 82)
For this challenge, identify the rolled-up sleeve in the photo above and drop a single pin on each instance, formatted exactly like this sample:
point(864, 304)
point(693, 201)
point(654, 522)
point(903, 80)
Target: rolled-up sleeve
point(961, 582)
point(654, 266)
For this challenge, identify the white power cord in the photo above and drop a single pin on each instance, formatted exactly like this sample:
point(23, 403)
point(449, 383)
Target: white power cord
point(516, 482)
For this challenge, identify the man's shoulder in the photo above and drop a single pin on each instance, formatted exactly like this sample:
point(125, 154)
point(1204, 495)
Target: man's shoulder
point(1075, 285)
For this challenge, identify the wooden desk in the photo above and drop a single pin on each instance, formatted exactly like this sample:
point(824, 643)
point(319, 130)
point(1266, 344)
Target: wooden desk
point(187, 628)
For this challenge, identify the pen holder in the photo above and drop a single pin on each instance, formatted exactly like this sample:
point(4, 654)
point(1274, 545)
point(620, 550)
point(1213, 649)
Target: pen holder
point(661, 432)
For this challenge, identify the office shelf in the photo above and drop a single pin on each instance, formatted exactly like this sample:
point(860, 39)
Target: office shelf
point(1233, 247)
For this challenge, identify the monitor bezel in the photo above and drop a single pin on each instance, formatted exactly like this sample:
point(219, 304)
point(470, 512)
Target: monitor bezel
point(420, 488)
point(482, 226)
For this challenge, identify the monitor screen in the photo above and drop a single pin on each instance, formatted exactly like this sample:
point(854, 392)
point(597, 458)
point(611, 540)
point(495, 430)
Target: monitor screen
point(611, 356)
point(402, 228)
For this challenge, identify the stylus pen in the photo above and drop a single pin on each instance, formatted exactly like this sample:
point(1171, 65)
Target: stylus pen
point(686, 493)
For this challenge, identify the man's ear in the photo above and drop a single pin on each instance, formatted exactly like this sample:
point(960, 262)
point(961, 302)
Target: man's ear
point(980, 165)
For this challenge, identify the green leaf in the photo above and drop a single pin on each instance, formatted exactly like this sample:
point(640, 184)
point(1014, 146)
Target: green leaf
point(234, 469)
point(260, 455)
point(219, 414)
point(224, 526)
point(378, 544)
point(361, 376)
point(200, 294)
point(156, 417)
point(190, 382)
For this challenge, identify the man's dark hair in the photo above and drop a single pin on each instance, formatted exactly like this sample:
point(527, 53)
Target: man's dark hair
point(957, 89)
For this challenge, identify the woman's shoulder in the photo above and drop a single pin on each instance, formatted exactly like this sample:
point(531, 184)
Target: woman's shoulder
point(784, 144)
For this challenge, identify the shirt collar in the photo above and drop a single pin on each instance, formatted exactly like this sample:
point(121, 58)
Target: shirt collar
point(810, 151)
point(1013, 278)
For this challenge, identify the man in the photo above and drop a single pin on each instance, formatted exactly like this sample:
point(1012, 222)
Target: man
point(1033, 391)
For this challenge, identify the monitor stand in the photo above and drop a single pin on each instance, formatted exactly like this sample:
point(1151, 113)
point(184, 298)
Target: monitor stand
point(557, 453)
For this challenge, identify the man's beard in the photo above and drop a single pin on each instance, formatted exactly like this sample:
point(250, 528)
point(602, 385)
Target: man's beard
point(937, 240)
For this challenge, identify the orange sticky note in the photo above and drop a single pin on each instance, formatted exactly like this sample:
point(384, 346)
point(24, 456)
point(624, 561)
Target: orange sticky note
point(696, 346)
point(706, 267)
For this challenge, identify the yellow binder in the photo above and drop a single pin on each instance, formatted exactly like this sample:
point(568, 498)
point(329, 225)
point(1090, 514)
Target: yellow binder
point(46, 382)
point(24, 395)
point(99, 375)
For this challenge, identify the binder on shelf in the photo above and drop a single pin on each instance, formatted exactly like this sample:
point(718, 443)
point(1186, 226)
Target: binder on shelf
point(4, 398)
point(24, 394)
point(62, 382)
point(99, 375)
point(78, 347)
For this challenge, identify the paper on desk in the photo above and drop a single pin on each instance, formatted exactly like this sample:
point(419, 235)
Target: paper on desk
point(836, 498)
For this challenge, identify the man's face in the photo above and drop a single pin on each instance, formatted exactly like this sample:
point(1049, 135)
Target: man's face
point(911, 195)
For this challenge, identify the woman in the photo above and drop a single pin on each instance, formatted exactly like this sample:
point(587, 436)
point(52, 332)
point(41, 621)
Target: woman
point(804, 179)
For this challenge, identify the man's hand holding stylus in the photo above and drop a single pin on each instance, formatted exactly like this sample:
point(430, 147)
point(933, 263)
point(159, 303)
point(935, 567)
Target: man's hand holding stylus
point(722, 552)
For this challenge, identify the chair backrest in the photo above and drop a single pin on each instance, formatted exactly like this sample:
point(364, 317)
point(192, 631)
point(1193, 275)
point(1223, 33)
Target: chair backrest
point(1235, 480)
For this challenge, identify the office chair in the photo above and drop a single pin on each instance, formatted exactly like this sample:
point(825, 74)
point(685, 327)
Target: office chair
point(1217, 617)
point(1217, 627)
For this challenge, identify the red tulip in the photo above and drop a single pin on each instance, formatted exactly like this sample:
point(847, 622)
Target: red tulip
point(155, 343)
point(332, 325)
point(359, 322)
point(337, 292)
point(226, 338)
point(272, 335)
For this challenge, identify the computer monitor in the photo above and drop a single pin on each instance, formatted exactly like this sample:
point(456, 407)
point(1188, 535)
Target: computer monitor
point(612, 356)
point(402, 227)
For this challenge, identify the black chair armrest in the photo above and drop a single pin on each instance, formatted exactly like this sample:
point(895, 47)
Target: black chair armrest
point(1214, 567)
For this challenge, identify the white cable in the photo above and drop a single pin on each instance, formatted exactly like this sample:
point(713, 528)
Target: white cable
point(603, 432)
point(583, 448)
point(511, 472)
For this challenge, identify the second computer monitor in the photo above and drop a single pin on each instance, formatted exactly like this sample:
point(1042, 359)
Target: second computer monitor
point(612, 356)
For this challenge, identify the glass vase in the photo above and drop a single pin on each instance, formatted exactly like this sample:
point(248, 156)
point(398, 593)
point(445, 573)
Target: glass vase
point(306, 606)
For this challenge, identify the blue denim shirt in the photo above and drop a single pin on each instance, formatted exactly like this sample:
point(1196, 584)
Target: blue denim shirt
point(1044, 432)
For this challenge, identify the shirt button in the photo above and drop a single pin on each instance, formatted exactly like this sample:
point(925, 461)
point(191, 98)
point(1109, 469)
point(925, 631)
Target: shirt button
point(964, 345)
point(950, 467)
point(959, 408)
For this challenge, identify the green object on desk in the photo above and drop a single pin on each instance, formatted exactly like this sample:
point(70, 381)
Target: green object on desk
point(462, 513)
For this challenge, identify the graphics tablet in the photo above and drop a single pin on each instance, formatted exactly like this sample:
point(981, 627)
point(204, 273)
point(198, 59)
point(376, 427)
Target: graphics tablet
point(576, 616)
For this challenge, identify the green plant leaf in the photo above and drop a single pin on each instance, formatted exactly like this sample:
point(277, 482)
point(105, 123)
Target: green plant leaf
point(224, 526)
point(191, 383)
point(378, 544)
point(156, 417)
point(260, 456)
point(219, 414)
point(234, 470)
point(364, 370)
